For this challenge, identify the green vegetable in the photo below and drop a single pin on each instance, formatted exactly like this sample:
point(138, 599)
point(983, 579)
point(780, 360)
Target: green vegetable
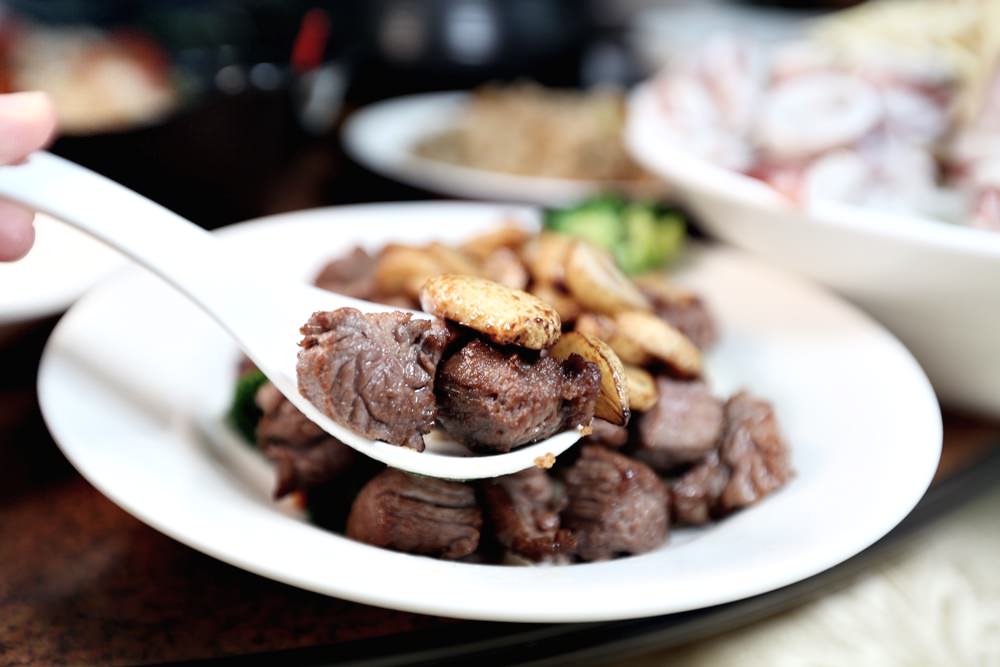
point(244, 413)
point(642, 236)
point(654, 236)
point(596, 220)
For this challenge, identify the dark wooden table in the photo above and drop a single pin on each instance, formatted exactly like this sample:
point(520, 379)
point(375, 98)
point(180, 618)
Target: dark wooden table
point(84, 583)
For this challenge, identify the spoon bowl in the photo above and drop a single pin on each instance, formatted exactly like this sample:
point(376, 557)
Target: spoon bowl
point(261, 313)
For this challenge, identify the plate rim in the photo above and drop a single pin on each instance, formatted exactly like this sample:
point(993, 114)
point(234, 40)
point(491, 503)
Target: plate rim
point(430, 607)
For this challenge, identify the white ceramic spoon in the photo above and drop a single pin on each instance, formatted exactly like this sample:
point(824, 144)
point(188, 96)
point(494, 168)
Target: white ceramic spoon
point(263, 314)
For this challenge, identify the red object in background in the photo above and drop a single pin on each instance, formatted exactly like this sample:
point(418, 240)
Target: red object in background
point(144, 51)
point(310, 43)
point(8, 37)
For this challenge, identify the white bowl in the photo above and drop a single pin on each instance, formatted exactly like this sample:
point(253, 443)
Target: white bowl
point(934, 284)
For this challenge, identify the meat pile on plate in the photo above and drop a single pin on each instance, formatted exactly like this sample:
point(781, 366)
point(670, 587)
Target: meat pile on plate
point(532, 335)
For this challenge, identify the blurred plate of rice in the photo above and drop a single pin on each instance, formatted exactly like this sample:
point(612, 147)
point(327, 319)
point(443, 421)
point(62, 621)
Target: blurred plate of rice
point(519, 143)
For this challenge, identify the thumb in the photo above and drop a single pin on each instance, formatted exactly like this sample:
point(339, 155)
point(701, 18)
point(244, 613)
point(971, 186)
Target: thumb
point(16, 231)
point(27, 122)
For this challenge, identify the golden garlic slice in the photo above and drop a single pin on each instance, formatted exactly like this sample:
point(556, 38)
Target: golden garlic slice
point(559, 299)
point(642, 392)
point(504, 315)
point(505, 267)
point(659, 340)
point(402, 270)
point(613, 401)
point(485, 244)
point(599, 326)
point(605, 328)
point(545, 256)
point(660, 287)
point(597, 283)
point(452, 260)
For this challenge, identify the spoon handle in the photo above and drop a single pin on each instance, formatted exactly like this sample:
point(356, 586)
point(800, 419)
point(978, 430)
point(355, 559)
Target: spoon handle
point(260, 312)
point(135, 225)
point(178, 251)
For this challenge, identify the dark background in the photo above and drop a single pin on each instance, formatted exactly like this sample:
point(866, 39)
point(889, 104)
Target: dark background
point(238, 148)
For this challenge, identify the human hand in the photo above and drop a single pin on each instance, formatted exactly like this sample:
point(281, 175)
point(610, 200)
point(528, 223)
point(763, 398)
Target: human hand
point(27, 122)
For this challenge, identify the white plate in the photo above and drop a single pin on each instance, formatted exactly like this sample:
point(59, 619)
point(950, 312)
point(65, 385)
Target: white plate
point(936, 285)
point(63, 264)
point(382, 138)
point(134, 377)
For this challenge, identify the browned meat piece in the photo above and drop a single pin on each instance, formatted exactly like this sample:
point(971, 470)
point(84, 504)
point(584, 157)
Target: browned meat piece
point(754, 450)
point(607, 434)
point(617, 505)
point(397, 301)
point(304, 454)
point(695, 496)
point(683, 426)
point(354, 275)
point(523, 509)
point(687, 313)
point(350, 275)
point(494, 399)
point(373, 373)
point(692, 319)
point(419, 515)
point(752, 461)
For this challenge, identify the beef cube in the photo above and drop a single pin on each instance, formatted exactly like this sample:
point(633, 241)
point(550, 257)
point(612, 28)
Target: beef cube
point(304, 454)
point(374, 372)
point(607, 434)
point(397, 301)
point(523, 510)
point(617, 505)
point(751, 462)
point(418, 515)
point(683, 426)
point(688, 314)
point(695, 496)
point(493, 399)
point(351, 275)
point(754, 450)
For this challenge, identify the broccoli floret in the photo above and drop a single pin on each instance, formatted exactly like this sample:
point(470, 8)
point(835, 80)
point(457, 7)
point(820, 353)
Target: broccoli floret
point(594, 219)
point(244, 413)
point(640, 235)
point(654, 236)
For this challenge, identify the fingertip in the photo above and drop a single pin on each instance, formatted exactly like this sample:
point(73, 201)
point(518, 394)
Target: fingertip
point(46, 117)
point(17, 233)
point(27, 123)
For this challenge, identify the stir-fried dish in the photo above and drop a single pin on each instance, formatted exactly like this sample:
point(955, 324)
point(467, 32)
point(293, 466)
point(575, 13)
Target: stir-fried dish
point(531, 334)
